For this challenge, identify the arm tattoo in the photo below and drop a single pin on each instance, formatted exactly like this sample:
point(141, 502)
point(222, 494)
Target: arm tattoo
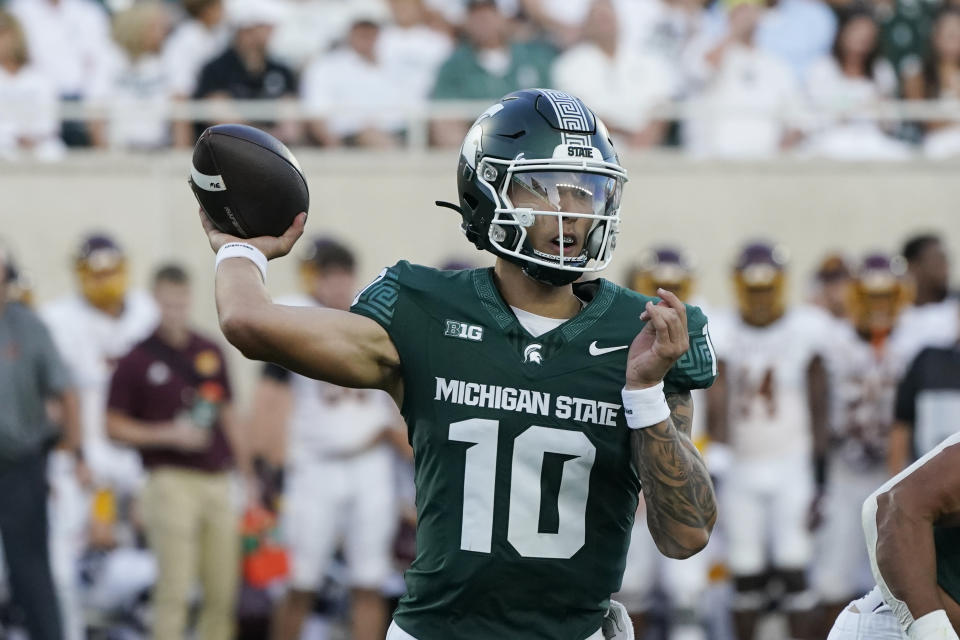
point(681, 506)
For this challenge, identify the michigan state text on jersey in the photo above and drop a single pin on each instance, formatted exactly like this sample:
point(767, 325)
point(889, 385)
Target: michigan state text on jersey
point(537, 408)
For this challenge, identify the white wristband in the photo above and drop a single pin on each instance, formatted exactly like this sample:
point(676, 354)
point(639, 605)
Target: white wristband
point(242, 250)
point(645, 407)
point(933, 626)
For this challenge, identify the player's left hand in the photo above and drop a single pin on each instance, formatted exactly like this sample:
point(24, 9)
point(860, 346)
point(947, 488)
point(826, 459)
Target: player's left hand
point(661, 342)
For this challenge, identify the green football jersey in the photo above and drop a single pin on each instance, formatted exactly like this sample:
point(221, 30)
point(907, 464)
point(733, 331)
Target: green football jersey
point(947, 541)
point(526, 493)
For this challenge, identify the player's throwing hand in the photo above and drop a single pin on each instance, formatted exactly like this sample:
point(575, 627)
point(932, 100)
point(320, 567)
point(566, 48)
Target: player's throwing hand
point(270, 246)
point(661, 342)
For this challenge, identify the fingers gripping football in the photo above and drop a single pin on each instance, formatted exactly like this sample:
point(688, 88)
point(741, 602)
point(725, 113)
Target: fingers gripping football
point(661, 342)
point(270, 246)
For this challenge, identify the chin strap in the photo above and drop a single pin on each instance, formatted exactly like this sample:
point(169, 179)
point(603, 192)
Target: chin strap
point(448, 205)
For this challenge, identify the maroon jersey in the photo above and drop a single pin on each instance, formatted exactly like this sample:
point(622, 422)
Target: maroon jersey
point(156, 382)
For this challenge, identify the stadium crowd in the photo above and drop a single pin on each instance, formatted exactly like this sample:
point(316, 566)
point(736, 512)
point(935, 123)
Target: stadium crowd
point(170, 510)
point(759, 77)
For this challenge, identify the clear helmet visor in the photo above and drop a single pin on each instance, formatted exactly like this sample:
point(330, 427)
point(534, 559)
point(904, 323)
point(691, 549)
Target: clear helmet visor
point(570, 192)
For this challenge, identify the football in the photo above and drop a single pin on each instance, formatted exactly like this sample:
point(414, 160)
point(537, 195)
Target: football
point(247, 182)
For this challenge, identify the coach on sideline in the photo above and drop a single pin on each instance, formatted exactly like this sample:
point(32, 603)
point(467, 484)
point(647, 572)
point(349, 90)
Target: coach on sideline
point(31, 373)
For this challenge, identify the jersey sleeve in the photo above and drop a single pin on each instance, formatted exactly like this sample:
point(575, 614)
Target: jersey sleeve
point(380, 299)
point(697, 368)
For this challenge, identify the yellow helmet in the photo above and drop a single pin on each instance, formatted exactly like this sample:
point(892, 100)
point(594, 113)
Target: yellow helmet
point(101, 269)
point(878, 293)
point(662, 267)
point(760, 280)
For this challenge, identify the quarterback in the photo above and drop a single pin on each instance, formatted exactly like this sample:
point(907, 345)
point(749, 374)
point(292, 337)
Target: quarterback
point(537, 407)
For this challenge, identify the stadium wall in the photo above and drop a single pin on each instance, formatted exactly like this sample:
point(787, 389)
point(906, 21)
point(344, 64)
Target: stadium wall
point(382, 205)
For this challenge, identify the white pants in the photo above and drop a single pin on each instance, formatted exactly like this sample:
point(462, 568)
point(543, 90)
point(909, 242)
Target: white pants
point(868, 618)
point(764, 505)
point(396, 633)
point(841, 568)
point(68, 508)
point(352, 499)
point(684, 581)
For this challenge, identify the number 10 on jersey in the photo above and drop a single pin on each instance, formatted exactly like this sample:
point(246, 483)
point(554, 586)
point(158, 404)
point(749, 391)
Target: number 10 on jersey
point(529, 449)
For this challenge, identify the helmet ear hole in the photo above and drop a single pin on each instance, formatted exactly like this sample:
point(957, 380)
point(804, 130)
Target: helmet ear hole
point(471, 201)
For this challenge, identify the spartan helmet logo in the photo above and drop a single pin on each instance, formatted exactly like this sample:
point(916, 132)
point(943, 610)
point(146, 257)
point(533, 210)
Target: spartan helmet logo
point(532, 353)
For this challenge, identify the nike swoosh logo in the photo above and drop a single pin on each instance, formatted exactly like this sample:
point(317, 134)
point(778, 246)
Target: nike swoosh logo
point(597, 351)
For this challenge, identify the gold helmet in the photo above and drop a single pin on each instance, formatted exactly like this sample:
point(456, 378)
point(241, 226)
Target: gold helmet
point(101, 269)
point(760, 280)
point(878, 293)
point(662, 267)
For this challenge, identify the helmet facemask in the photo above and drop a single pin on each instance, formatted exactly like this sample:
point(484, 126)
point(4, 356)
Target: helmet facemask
point(527, 191)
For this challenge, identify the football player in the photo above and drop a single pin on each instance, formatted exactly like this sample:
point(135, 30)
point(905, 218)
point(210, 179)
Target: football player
point(669, 268)
point(92, 329)
point(912, 528)
point(863, 378)
point(338, 468)
point(769, 407)
point(536, 407)
point(831, 286)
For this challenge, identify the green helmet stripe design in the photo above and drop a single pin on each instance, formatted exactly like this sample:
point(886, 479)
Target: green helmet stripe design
point(537, 138)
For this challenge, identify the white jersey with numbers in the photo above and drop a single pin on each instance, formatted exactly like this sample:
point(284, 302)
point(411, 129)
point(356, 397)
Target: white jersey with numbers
point(863, 384)
point(332, 421)
point(91, 342)
point(766, 371)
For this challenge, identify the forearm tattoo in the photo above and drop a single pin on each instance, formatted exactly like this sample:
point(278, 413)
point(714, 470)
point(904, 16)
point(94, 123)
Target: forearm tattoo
point(676, 485)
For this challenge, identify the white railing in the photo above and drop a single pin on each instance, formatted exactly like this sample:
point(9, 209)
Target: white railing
point(418, 118)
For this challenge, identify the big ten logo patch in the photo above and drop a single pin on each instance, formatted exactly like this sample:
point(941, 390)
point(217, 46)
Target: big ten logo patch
point(463, 330)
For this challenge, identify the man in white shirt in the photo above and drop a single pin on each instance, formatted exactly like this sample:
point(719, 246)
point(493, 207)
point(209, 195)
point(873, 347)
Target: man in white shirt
point(412, 50)
point(365, 95)
point(69, 40)
point(622, 84)
point(745, 91)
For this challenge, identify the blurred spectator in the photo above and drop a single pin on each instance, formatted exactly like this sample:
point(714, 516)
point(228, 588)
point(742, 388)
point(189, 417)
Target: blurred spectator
point(454, 12)
point(28, 123)
point(905, 27)
point(412, 50)
point(832, 286)
point(340, 481)
point(134, 85)
point(92, 329)
point(68, 42)
point(170, 398)
point(193, 43)
point(798, 32)
point(746, 91)
point(939, 79)
point(245, 72)
point(32, 373)
point(364, 94)
point(487, 66)
point(562, 19)
point(308, 29)
point(619, 84)
point(853, 77)
point(934, 318)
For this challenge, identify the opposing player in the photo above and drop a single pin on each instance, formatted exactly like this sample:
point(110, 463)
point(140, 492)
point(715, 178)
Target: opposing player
point(683, 582)
point(912, 529)
point(92, 328)
point(769, 406)
point(863, 376)
point(338, 467)
point(529, 448)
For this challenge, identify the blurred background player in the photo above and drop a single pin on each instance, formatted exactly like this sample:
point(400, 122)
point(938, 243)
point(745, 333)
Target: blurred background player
point(682, 582)
point(170, 398)
point(769, 406)
point(339, 482)
point(93, 328)
point(831, 286)
point(31, 374)
point(863, 378)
